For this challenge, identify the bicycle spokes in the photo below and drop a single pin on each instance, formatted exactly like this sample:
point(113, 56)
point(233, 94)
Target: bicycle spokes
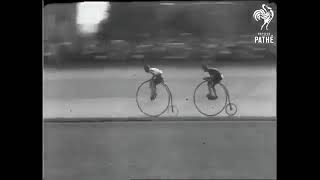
point(231, 109)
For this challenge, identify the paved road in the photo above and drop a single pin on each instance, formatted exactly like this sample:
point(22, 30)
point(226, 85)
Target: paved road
point(163, 149)
point(110, 91)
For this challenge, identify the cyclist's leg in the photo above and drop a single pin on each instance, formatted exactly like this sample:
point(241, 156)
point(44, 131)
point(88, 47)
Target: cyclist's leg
point(209, 88)
point(152, 87)
point(158, 79)
point(214, 89)
point(155, 87)
point(215, 82)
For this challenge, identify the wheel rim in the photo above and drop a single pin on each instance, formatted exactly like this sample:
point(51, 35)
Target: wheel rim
point(209, 107)
point(232, 111)
point(152, 108)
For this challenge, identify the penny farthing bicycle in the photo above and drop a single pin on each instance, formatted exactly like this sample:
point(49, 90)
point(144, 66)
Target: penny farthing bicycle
point(213, 107)
point(161, 104)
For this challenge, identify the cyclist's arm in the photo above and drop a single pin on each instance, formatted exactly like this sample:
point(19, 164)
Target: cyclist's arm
point(153, 74)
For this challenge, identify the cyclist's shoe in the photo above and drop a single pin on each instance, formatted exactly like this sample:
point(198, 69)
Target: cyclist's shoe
point(211, 97)
point(153, 96)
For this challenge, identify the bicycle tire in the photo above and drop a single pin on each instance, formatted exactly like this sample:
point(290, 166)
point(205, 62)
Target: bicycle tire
point(230, 113)
point(161, 111)
point(175, 109)
point(199, 109)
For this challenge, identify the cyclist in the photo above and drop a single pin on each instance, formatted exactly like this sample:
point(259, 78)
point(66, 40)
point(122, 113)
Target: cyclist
point(155, 80)
point(215, 78)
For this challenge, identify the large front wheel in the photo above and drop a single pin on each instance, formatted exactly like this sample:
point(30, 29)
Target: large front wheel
point(154, 107)
point(209, 107)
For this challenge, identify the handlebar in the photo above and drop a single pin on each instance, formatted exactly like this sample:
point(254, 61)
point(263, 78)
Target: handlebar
point(207, 78)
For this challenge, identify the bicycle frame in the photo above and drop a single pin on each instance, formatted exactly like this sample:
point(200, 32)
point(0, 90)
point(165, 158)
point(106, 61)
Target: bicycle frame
point(227, 99)
point(207, 79)
point(170, 101)
point(167, 88)
point(170, 95)
point(226, 91)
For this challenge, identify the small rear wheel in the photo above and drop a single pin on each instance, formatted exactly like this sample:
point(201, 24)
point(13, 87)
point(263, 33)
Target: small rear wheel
point(231, 109)
point(173, 110)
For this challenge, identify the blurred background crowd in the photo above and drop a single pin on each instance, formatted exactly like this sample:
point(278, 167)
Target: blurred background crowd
point(133, 32)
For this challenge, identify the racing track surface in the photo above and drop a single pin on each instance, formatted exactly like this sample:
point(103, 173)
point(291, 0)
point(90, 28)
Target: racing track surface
point(110, 91)
point(160, 149)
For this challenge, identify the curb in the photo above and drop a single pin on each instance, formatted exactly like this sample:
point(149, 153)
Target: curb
point(160, 119)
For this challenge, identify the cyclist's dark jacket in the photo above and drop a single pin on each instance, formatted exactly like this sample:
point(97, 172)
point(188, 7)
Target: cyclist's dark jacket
point(215, 73)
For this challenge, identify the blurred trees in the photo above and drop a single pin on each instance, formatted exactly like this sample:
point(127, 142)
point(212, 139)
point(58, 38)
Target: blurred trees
point(185, 20)
point(130, 21)
point(127, 21)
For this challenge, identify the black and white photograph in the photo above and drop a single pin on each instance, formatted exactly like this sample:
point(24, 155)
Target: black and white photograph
point(159, 90)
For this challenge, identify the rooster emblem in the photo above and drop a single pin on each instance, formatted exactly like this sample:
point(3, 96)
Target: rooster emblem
point(266, 13)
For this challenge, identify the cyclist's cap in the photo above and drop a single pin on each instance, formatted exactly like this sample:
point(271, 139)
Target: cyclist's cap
point(204, 66)
point(146, 67)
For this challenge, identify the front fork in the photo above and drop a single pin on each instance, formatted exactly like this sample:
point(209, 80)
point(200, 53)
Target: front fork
point(228, 97)
point(170, 99)
point(171, 103)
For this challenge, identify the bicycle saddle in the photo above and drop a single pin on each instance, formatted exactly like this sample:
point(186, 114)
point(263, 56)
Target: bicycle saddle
point(207, 78)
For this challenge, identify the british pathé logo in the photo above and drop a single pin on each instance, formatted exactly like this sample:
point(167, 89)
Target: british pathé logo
point(263, 38)
point(266, 14)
